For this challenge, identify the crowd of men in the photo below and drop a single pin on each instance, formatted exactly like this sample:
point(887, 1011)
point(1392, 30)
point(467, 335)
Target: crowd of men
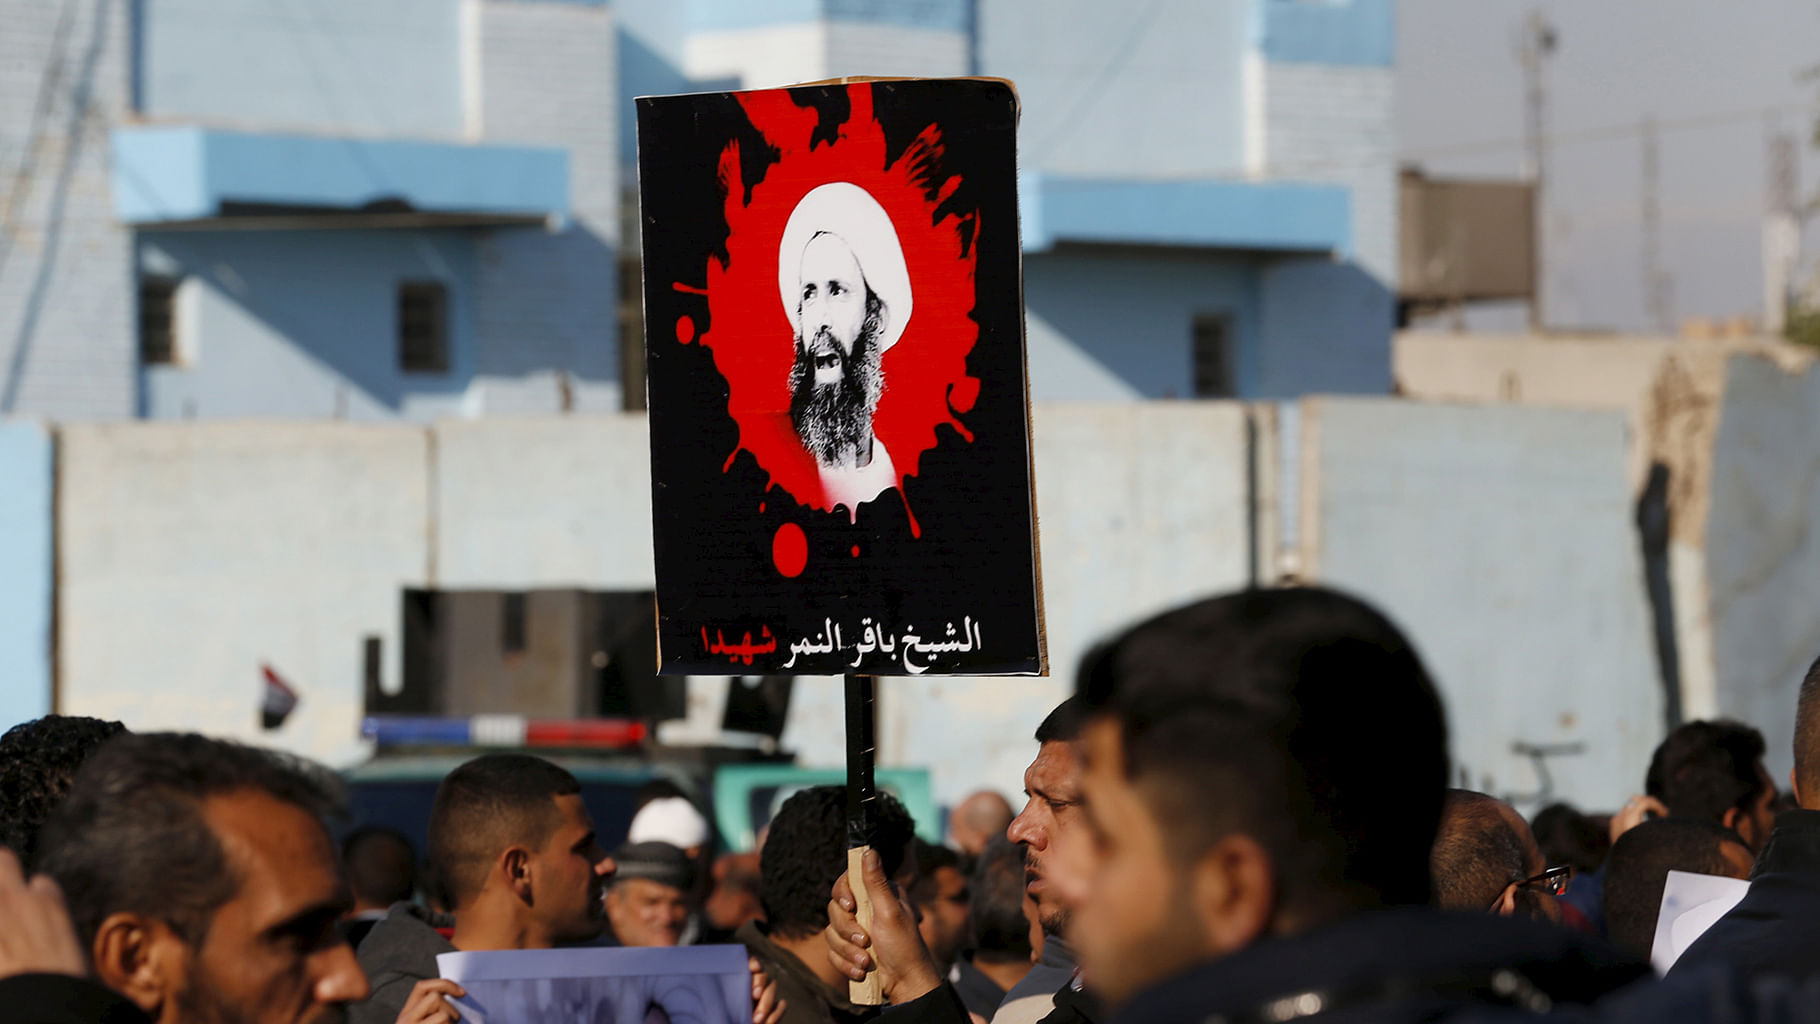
point(1241, 815)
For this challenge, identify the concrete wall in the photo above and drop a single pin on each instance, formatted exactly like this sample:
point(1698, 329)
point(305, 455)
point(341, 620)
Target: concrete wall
point(190, 554)
point(1107, 324)
point(353, 66)
point(1762, 555)
point(303, 324)
point(1324, 329)
point(67, 305)
point(26, 568)
point(1500, 539)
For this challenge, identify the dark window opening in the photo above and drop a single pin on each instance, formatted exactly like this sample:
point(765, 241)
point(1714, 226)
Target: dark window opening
point(512, 624)
point(1213, 357)
point(158, 321)
point(423, 327)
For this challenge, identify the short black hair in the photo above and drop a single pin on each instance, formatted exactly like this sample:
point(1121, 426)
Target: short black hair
point(1063, 725)
point(131, 836)
point(486, 805)
point(1637, 872)
point(806, 850)
point(1000, 930)
point(1477, 852)
point(38, 760)
point(381, 865)
point(1302, 718)
point(1807, 734)
point(1706, 768)
point(930, 858)
point(1566, 836)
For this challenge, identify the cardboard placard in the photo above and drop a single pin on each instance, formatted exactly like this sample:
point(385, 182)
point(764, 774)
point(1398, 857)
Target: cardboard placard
point(840, 448)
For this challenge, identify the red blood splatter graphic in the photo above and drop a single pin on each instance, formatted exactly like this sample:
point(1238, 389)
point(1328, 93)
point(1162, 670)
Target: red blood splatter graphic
point(685, 330)
point(751, 335)
point(856, 551)
point(790, 550)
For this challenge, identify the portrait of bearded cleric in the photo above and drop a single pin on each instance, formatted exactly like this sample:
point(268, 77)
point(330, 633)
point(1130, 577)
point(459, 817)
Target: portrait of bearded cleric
point(845, 286)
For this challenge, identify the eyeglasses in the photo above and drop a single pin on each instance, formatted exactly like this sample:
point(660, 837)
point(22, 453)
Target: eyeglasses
point(1553, 881)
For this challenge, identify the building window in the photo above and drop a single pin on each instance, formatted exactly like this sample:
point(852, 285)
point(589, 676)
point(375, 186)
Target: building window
point(512, 624)
point(1213, 357)
point(158, 321)
point(423, 327)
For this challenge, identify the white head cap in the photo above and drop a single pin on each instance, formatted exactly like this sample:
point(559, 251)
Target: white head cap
point(670, 820)
point(844, 209)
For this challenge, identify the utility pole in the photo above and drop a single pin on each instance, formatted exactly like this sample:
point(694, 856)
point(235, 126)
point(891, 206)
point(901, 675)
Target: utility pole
point(1656, 284)
point(1538, 43)
point(1781, 233)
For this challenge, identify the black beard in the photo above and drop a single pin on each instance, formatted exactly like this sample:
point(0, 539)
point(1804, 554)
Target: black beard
point(834, 420)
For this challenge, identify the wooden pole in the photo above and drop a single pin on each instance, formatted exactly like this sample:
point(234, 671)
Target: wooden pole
point(862, 793)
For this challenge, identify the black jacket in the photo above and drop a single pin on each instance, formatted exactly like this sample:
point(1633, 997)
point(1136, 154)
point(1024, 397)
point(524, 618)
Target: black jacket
point(1393, 966)
point(398, 953)
point(808, 999)
point(1775, 929)
point(62, 999)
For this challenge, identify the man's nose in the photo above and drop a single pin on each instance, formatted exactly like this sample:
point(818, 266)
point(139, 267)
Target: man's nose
point(340, 979)
point(1023, 830)
point(605, 867)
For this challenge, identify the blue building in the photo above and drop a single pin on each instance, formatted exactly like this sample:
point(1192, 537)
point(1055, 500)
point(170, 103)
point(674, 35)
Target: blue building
point(418, 208)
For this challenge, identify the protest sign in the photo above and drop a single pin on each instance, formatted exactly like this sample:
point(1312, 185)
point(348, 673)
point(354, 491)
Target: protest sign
point(683, 985)
point(840, 450)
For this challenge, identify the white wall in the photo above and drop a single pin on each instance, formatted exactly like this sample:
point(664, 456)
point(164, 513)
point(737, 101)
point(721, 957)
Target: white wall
point(189, 554)
point(1762, 552)
point(1338, 124)
point(1500, 539)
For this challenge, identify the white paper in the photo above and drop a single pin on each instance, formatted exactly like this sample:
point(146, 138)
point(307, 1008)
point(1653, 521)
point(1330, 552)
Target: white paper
point(1690, 905)
point(682, 985)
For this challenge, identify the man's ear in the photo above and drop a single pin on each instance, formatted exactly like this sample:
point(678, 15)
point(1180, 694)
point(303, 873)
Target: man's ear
point(141, 959)
point(1234, 892)
point(1735, 819)
point(1507, 903)
point(515, 866)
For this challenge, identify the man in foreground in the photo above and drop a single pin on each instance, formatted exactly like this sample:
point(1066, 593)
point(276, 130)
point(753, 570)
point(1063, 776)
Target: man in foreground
point(202, 883)
point(1253, 850)
point(516, 854)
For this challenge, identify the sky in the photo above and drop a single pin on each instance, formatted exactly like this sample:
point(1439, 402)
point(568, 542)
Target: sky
point(1719, 77)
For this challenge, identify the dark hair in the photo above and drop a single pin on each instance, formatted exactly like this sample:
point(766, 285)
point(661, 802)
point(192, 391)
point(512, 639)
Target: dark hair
point(381, 865)
point(1301, 718)
point(1063, 725)
point(486, 805)
point(1807, 734)
point(1000, 931)
point(806, 850)
point(1568, 837)
point(1637, 872)
point(930, 858)
point(1704, 769)
point(1477, 852)
point(131, 836)
point(38, 760)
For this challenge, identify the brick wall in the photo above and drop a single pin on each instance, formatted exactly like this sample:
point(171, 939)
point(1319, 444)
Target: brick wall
point(67, 305)
point(546, 301)
point(1337, 124)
